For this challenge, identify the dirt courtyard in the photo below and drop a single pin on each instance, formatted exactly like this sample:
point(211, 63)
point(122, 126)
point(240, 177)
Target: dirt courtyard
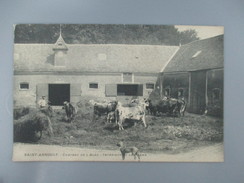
point(171, 137)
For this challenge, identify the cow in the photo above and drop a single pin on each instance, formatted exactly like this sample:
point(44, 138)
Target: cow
point(104, 108)
point(167, 105)
point(69, 110)
point(134, 113)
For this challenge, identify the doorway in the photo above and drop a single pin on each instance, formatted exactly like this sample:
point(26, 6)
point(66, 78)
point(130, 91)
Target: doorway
point(198, 92)
point(130, 90)
point(58, 94)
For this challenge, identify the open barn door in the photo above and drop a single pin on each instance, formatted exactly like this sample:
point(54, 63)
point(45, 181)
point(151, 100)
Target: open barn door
point(198, 92)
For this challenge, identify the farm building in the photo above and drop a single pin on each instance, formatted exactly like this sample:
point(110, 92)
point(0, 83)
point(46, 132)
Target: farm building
point(196, 73)
point(66, 72)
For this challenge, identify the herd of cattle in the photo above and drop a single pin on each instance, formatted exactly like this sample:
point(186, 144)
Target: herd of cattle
point(115, 111)
point(135, 110)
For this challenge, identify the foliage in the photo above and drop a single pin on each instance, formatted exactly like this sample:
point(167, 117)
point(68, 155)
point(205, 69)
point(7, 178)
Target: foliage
point(103, 34)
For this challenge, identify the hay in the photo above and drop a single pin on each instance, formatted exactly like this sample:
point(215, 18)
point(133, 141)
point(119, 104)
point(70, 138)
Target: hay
point(29, 127)
point(20, 111)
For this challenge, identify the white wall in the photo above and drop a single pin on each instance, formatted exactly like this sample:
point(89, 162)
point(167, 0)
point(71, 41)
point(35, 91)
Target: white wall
point(28, 97)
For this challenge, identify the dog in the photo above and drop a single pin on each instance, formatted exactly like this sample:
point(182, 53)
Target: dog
point(123, 149)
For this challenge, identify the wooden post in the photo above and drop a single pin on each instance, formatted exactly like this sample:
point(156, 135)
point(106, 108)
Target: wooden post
point(189, 90)
point(206, 89)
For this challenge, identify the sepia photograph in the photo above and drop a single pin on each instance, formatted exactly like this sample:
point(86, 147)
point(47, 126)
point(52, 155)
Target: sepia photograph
point(118, 93)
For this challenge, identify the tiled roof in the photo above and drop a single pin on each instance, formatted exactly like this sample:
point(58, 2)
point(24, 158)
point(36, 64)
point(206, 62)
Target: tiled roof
point(94, 57)
point(198, 55)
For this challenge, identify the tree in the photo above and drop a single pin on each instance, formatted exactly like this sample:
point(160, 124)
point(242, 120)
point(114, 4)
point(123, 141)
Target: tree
point(188, 36)
point(103, 34)
point(36, 33)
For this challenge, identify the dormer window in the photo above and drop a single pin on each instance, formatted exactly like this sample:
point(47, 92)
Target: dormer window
point(60, 50)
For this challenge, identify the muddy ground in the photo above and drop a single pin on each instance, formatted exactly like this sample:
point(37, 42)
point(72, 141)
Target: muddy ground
point(164, 134)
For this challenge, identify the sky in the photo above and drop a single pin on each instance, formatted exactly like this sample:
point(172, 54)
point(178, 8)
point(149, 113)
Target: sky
point(203, 31)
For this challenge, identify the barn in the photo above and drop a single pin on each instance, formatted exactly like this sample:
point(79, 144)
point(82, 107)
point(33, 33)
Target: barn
point(67, 72)
point(196, 73)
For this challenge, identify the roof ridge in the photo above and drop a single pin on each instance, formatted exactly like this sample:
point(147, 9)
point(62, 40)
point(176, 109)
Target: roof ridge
point(202, 40)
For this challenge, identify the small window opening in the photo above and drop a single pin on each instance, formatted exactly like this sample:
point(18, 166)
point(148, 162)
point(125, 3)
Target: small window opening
point(93, 85)
point(24, 86)
point(150, 86)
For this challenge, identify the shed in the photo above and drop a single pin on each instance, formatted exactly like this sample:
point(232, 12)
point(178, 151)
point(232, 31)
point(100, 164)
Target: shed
point(196, 74)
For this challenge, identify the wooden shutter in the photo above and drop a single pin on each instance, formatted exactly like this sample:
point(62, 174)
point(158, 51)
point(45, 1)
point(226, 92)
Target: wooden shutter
point(111, 90)
point(41, 90)
point(75, 92)
point(140, 90)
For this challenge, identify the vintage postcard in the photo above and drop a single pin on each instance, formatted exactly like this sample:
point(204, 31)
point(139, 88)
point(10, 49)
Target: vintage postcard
point(128, 93)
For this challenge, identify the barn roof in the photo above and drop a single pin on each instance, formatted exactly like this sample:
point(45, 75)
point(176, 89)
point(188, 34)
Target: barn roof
point(93, 57)
point(198, 55)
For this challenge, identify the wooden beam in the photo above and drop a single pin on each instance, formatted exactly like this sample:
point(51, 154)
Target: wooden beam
point(206, 89)
point(189, 90)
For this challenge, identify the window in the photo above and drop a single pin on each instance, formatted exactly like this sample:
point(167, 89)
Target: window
point(150, 86)
point(130, 90)
point(24, 86)
point(127, 77)
point(93, 85)
point(60, 43)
